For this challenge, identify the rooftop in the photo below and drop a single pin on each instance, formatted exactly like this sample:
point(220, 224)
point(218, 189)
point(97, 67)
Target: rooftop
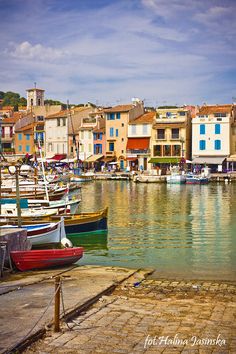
point(146, 118)
point(205, 110)
point(119, 108)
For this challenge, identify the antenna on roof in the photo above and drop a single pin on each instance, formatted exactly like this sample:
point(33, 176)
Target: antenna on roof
point(34, 84)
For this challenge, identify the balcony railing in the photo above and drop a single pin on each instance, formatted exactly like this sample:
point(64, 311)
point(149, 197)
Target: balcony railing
point(110, 153)
point(175, 137)
point(161, 137)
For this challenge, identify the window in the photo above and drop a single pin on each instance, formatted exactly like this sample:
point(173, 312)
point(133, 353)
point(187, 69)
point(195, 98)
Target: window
point(71, 149)
point(90, 147)
point(58, 122)
point(181, 113)
point(122, 139)
point(111, 116)
point(39, 102)
point(217, 144)
point(176, 150)
point(95, 136)
point(202, 145)
point(145, 126)
point(64, 122)
point(117, 132)
point(122, 125)
point(133, 129)
point(27, 148)
point(118, 115)
point(175, 133)
point(82, 134)
point(218, 115)
point(111, 131)
point(202, 129)
point(167, 150)
point(111, 146)
point(217, 128)
point(100, 136)
point(81, 147)
point(157, 150)
point(27, 137)
point(20, 136)
point(160, 134)
point(20, 147)
point(90, 135)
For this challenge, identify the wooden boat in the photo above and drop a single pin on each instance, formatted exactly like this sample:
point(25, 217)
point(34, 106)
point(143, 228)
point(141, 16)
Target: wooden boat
point(38, 259)
point(74, 224)
point(10, 210)
point(43, 234)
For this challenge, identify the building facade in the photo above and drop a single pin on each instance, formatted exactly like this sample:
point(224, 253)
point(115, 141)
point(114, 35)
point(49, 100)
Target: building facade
point(211, 131)
point(171, 139)
point(117, 120)
point(138, 151)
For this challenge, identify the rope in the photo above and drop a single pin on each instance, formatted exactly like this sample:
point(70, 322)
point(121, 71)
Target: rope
point(40, 318)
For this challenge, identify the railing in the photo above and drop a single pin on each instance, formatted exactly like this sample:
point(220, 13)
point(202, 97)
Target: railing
point(140, 151)
point(175, 137)
point(161, 137)
point(110, 153)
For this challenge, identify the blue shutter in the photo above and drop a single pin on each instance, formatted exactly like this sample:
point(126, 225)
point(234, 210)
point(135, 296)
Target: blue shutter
point(117, 132)
point(111, 131)
point(217, 128)
point(118, 115)
point(217, 144)
point(202, 129)
point(202, 145)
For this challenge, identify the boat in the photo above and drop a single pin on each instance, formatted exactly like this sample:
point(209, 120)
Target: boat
point(10, 210)
point(82, 178)
point(192, 178)
point(38, 259)
point(176, 177)
point(43, 234)
point(74, 224)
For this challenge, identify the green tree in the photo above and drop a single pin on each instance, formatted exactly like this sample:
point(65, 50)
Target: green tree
point(1, 95)
point(11, 99)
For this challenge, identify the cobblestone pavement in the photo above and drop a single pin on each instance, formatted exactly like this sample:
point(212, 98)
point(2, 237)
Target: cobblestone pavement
point(152, 316)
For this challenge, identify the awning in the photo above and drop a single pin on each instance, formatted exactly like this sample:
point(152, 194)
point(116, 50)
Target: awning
point(58, 157)
point(94, 158)
point(138, 143)
point(231, 158)
point(131, 158)
point(173, 160)
point(211, 160)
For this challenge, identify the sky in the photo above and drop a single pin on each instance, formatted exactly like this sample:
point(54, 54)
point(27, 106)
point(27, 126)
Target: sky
point(165, 52)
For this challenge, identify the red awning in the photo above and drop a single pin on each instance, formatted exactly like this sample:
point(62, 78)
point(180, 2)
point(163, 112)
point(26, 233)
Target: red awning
point(58, 157)
point(138, 143)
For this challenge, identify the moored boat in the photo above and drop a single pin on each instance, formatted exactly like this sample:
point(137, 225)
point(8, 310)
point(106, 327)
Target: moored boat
point(38, 259)
point(75, 224)
point(196, 179)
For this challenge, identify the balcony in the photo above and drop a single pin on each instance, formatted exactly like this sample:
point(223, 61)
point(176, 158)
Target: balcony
point(161, 137)
point(110, 153)
point(174, 137)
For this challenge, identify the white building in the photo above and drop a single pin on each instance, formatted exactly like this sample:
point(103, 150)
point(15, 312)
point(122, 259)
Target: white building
point(211, 131)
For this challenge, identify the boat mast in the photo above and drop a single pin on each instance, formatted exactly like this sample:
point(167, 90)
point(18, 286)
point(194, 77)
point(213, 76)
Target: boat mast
point(43, 170)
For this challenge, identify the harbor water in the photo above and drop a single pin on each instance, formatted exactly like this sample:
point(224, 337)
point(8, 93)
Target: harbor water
point(180, 230)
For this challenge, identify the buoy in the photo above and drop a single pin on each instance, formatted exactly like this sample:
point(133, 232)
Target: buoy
point(66, 242)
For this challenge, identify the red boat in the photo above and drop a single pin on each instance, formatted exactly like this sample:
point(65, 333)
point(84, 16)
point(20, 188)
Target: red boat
point(37, 259)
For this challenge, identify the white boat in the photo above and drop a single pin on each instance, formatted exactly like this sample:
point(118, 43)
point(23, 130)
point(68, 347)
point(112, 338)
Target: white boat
point(10, 210)
point(176, 177)
point(63, 205)
point(43, 234)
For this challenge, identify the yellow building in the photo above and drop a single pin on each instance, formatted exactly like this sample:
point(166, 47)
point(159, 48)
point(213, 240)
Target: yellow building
point(117, 120)
point(171, 138)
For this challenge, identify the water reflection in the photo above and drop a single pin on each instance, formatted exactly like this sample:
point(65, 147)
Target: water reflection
point(177, 229)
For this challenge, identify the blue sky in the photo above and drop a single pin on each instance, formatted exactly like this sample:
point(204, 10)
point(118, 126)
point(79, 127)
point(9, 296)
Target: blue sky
point(108, 51)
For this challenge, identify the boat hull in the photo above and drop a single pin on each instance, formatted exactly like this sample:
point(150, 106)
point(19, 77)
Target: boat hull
point(38, 259)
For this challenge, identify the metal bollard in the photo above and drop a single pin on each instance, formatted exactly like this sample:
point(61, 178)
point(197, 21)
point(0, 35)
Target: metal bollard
point(57, 304)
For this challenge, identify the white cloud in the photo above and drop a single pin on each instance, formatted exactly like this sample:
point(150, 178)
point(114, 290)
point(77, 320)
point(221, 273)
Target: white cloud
point(38, 52)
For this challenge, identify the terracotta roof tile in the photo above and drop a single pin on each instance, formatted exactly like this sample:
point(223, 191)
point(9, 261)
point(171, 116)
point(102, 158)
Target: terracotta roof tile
point(119, 108)
point(60, 114)
point(205, 110)
point(147, 118)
